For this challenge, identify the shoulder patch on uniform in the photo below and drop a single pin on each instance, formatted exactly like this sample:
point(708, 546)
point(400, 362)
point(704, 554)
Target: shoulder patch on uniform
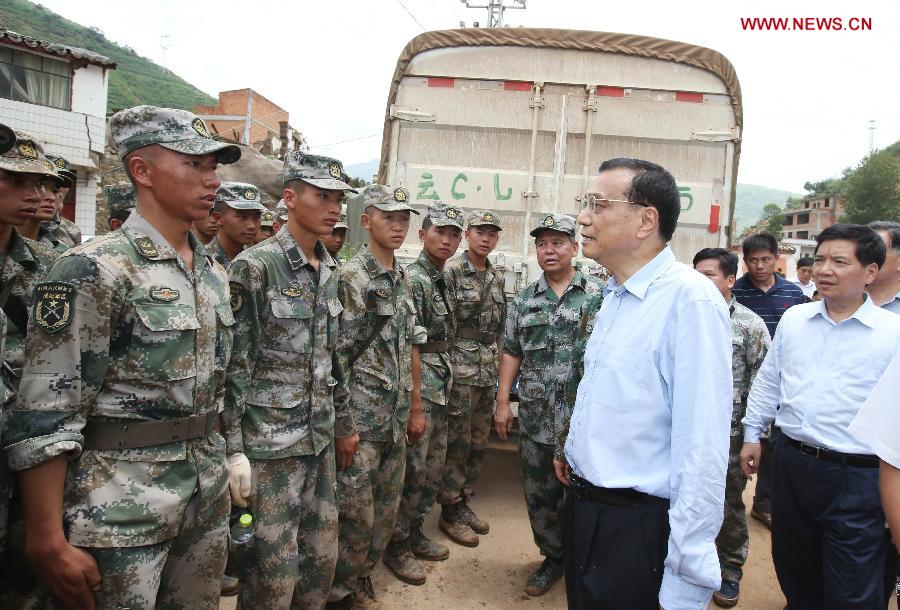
point(237, 296)
point(291, 291)
point(164, 294)
point(147, 247)
point(53, 304)
point(381, 292)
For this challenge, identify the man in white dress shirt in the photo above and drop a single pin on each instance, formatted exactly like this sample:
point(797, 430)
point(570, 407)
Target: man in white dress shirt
point(648, 441)
point(828, 536)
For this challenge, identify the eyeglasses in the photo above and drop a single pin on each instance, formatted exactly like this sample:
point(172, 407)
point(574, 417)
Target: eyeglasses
point(594, 203)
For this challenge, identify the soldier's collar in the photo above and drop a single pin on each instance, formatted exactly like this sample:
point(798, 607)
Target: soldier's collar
point(295, 255)
point(429, 266)
point(19, 250)
point(148, 241)
point(375, 268)
point(469, 266)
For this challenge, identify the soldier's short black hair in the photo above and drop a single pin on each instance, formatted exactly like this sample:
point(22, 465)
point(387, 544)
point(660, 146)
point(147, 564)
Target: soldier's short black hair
point(653, 186)
point(805, 261)
point(426, 222)
point(760, 241)
point(728, 261)
point(120, 215)
point(891, 228)
point(870, 248)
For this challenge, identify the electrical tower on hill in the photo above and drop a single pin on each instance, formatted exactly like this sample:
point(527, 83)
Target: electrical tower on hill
point(495, 9)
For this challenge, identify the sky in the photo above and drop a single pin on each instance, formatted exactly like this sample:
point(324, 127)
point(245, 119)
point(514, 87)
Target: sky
point(808, 95)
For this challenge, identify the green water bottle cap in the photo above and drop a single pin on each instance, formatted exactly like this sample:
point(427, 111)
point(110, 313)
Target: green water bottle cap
point(246, 520)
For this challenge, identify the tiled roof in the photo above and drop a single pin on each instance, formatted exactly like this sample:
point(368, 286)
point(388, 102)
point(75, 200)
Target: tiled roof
point(55, 48)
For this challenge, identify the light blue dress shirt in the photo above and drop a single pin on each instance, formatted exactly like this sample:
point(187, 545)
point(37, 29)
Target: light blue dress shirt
point(821, 373)
point(653, 412)
point(893, 305)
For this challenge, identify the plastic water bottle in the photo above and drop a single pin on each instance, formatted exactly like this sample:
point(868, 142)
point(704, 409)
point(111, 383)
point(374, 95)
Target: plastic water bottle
point(242, 537)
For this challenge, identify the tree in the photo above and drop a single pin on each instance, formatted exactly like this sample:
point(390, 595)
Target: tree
point(773, 219)
point(872, 191)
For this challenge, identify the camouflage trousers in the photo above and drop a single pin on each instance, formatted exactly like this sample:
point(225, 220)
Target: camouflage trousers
point(544, 496)
point(470, 413)
point(424, 469)
point(368, 494)
point(183, 573)
point(295, 548)
point(733, 540)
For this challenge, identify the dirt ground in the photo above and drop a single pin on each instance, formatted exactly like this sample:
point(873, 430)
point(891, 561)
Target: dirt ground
point(492, 575)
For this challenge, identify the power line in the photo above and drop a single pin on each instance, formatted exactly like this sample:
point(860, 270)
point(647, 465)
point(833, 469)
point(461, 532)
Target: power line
point(346, 141)
point(408, 12)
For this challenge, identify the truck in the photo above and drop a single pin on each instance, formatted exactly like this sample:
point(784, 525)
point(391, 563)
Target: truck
point(517, 120)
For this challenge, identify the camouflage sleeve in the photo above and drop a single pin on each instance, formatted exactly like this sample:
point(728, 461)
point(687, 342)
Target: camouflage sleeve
point(67, 356)
point(501, 323)
point(757, 347)
point(513, 341)
point(246, 284)
point(417, 294)
point(352, 331)
point(450, 283)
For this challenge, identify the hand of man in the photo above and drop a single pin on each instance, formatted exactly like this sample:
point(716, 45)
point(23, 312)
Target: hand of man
point(751, 453)
point(415, 428)
point(69, 573)
point(503, 419)
point(345, 448)
point(562, 471)
point(239, 476)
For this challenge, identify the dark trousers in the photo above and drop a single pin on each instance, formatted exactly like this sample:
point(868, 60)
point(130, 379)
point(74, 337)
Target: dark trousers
point(614, 554)
point(828, 536)
point(762, 496)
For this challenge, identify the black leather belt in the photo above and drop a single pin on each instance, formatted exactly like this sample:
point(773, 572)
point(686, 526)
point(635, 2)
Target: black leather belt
point(821, 453)
point(131, 434)
point(434, 347)
point(587, 491)
point(477, 335)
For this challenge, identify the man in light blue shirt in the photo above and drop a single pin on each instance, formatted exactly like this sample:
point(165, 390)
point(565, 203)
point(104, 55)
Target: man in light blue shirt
point(648, 442)
point(885, 290)
point(828, 536)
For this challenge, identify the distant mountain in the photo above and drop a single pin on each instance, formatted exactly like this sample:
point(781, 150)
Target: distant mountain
point(136, 80)
point(751, 199)
point(364, 171)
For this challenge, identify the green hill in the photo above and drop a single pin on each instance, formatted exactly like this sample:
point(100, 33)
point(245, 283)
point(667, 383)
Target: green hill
point(137, 80)
point(750, 200)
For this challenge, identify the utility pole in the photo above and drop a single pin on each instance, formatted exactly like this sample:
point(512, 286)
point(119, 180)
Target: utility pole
point(871, 129)
point(245, 139)
point(165, 41)
point(495, 9)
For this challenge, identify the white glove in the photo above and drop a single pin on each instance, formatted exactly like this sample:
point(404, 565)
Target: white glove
point(239, 479)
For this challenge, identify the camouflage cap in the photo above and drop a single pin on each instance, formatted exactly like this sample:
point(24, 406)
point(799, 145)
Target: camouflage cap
point(177, 130)
point(239, 196)
point(27, 157)
point(62, 168)
point(555, 222)
point(7, 138)
point(322, 172)
point(281, 211)
point(386, 198)
point(443, 215)
point(342, 222)
point(483, 218)
point(119, 197)
point(267, 219)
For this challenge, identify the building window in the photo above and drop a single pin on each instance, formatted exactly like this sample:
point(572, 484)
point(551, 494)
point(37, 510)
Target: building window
point(788, 219)
point(33, 79)
point(789, 234)
point(826, 202)
point(802, 234)
point(803, 219)
point(806, 205)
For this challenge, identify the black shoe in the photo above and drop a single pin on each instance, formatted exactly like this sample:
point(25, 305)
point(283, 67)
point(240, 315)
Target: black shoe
point(728, 594)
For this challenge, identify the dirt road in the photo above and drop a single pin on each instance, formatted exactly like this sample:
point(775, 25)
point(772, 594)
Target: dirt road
point(492, 576)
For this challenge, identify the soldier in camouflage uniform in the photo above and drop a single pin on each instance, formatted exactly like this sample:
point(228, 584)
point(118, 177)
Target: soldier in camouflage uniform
point(60, 228)
point(122, 476)
point(749, 345)
point(334, 241)
point(266, 229)
point(441, 233)
point(120, 203)
point(278, 399)
point(478, 306)
point(374, 418)
point(239, 214)
point(546, 333)
point(281, 215)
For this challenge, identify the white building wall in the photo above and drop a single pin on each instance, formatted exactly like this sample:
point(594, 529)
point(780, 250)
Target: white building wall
point(89, 87)
point(86, 204)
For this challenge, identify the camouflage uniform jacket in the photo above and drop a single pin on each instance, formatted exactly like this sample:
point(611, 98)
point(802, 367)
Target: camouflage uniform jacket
point(123, 330)
point(372, 397)
point(51, 240)
point(428, 290)
point(477, 305)
point(749, 345)
point(278, 391)
point(64, 231)
point(26, 263)
point(6, 396)
point(218, 253)
point(549, 334)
